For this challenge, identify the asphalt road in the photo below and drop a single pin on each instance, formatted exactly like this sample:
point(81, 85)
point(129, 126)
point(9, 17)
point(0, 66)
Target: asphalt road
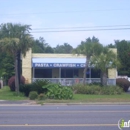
point(63, 117)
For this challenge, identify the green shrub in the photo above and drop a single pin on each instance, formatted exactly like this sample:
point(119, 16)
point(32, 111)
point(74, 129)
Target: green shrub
point(87, 89)
point(26, 89)
point(96, 84)
point(66, 93)
point(41, 96)
point(118, 90)
point(123, 83)
point(79, 89)
point(111, 90)
point(56, 91)
point(35, 86)
point(33, 95)
point(98, 90)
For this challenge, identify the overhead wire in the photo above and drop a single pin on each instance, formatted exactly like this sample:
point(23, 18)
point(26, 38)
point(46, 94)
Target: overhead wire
point(49, 28)
point(83, 30)
point(60, 12)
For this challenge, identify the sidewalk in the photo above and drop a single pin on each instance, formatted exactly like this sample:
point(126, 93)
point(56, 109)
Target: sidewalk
point(33, 103)
point(17, 103)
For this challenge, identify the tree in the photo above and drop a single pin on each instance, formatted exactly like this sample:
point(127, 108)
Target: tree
point(88, 48)
point(106, 59)
point(123, 50)
point(111, 46)
point(15, 39)
point(65, 48)
point(6, 66)
point(39, 46)
point(49, 49)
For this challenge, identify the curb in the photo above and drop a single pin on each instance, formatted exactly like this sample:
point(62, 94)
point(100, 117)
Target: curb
point(34, 103)
point(98, 103)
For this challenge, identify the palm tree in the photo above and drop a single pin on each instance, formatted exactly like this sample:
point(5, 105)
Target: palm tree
point(88, 48)
point(15, 39)
point(107, 59)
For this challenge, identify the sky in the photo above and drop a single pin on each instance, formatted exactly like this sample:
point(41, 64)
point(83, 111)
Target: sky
point(86, 16)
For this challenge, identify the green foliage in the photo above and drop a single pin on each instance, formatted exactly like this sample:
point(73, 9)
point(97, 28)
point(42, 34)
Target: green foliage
point(65, 48)
point(87, 89)
point(33, 95)
point(11, 40)
point(106, 59)
point(26, 88)
point(123, 83)
point(35, 86)
point(95, 89)
point(6, 66)
point(15, 40)
point(111, 90)
point(111, 46)
point(123, 50)
point(66, 93)
point(39, 46)
point(41, 96)
point(56, 91)
point(88, 48)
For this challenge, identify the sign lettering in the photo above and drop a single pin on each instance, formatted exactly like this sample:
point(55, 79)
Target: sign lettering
point(62, 65)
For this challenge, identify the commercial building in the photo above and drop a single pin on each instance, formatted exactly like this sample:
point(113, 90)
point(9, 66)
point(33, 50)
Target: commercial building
point(64, 68)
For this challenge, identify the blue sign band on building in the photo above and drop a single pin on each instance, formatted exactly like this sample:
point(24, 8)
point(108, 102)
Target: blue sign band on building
point(62, 65)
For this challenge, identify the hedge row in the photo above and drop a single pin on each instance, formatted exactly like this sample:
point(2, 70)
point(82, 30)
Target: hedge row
point(98, 90)
point(43, 88)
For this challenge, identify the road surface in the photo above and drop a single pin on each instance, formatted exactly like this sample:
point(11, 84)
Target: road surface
point(63, 117)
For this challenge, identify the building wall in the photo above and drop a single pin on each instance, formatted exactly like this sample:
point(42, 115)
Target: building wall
point(112, 73)
point(27, 67)
point(27, 64)
point(39, 55)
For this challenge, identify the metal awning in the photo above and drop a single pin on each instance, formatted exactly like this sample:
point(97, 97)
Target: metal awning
point(58, 62)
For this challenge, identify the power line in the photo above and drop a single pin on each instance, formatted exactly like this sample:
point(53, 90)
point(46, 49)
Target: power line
point(106, 29)
point(61, 12)
point(48, 28)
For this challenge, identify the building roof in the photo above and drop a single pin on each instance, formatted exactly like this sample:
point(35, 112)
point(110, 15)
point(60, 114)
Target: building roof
point(59, 60)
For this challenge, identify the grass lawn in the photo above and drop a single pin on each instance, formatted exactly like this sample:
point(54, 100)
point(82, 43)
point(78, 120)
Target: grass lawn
point(125, 97)
point(6, 94)
point(83, 98)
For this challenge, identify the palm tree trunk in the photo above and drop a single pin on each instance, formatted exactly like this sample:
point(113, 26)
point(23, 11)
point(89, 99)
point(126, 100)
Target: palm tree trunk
point(104, 78)
point(85, 69)
point(19, 66)
point(16, 76)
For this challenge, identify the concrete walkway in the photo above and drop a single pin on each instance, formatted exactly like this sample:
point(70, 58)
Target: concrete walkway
point(33, 103)
point(18, 103)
